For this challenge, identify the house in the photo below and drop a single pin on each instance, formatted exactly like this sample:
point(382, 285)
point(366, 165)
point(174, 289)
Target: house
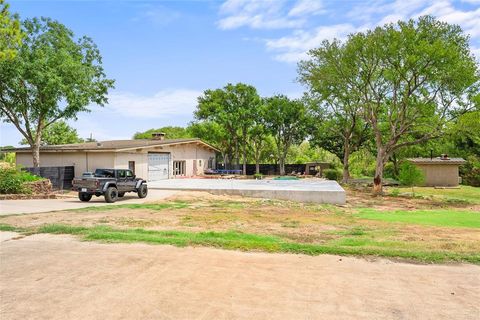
point(439, 172)
point(153, 159)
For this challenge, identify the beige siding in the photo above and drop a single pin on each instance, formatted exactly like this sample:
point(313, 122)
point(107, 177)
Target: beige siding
point(82, 161)
point(440, 175)
point(191, 153)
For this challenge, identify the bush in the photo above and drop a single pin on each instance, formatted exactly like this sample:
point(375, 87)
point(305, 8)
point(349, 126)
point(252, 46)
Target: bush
point(389, 171)
point(409, 175)
point(258, 176)
point(12, 180)
point(332, 174)
point(470, 172)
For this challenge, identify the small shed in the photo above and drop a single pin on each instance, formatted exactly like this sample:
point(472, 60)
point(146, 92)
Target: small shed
point(439, 172)
point(312, 168)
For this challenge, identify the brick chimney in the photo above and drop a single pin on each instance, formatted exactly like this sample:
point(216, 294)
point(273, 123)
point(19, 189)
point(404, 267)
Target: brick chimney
point(158, 136)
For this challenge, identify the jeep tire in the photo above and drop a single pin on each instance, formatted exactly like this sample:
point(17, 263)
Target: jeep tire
point(111, 195)
point(142, 191)
point(85, 197)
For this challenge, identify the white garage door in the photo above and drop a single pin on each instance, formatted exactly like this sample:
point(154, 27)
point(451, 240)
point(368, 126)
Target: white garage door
point(158, 166)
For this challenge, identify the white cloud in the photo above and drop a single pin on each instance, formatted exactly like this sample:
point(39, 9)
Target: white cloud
point(266, 14)
point(163, 104)
point(303, 7)
point(297, 15)
point(294, 48)
point(445, 11)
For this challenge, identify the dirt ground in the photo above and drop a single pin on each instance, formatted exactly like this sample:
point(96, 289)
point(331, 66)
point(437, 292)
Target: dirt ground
point(58, 277)
point(307, 223)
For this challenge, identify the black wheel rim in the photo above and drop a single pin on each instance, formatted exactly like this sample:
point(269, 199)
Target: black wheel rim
point(113, 194)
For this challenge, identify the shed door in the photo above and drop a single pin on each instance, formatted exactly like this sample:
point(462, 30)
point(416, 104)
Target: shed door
point(158, 166)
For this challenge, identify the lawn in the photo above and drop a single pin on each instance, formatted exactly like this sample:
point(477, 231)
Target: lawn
point(441, 218)
point(463, 193)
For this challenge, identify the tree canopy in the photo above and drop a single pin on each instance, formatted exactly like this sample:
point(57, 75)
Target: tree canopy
point(10, 32)
point(52, 77)
point(409, 78)
point(58, 133)
point(171, 132)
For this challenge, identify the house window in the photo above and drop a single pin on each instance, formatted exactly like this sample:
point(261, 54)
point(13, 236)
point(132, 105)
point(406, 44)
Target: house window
point(210, 163)
point(200, 163)
point(179, 168)
point(131, 166)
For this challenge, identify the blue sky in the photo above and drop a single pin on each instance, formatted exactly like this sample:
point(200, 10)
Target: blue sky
point(163, 54)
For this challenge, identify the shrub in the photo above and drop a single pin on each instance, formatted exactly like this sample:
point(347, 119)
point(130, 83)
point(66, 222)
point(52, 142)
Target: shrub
point(389, 171)
point(258, 176)
point(332, 174)
point(470, 172)
point(12, 180)
point(410, 175)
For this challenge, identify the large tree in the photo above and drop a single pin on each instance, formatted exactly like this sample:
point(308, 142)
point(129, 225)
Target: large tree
point(286, 121)
point(411, 78)
point(231, 107)
point(10, 32)
point(52, 77)
point(171, 132)
point(58, 133)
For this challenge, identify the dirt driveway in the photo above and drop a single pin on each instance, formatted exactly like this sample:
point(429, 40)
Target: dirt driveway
point(58, 277)
point(8, 207)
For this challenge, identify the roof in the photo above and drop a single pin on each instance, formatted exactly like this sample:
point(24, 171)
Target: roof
point(113, 145)
point(437, 160)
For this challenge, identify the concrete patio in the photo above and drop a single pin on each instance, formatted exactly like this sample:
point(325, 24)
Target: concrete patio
point(303, 190)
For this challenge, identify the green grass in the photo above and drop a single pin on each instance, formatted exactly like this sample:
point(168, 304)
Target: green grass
point(234, 240)
point(439, 218)
point(464, 193)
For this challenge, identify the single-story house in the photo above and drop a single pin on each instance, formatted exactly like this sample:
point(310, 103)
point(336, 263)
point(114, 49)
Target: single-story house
point(439, 172)
point(152, 159)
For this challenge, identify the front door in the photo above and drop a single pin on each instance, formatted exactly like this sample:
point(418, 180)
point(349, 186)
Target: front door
point(158, 164)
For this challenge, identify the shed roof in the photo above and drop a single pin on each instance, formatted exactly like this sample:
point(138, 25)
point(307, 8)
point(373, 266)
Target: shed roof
point(438, 160)
point(113, 145)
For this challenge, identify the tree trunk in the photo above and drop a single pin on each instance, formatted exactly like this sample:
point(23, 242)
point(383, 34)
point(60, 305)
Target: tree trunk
point(244, 158)
point(281, 163)
point(346, 169)
point(36, 155)
point(379, 164)
point(257, 167)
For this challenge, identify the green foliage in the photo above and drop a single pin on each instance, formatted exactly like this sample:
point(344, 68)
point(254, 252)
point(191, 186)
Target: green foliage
point(8, 157)
point(410, 175)
point(362, 164)
point(332, 174)
point(233, 109)
point(287, 122)
point(470, 172)
point(10, 32)
point(171, 132)
point(258, 176)
point(307, 152)
point(12, 180)
point(52, 77)
point(380, 71)
point(58, 133)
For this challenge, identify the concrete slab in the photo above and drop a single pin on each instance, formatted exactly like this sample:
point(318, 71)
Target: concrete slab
point(304, 190)
point(8, 207)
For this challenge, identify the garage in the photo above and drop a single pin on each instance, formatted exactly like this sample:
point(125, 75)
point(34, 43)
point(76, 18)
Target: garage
point(158, 166)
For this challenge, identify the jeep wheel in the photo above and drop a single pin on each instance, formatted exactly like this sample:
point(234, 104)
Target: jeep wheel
point(121, 194)
point(111, 195)
point(85, 197)
point(142, 191)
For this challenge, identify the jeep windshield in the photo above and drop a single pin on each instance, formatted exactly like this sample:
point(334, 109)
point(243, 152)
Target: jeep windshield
point(104, 173)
